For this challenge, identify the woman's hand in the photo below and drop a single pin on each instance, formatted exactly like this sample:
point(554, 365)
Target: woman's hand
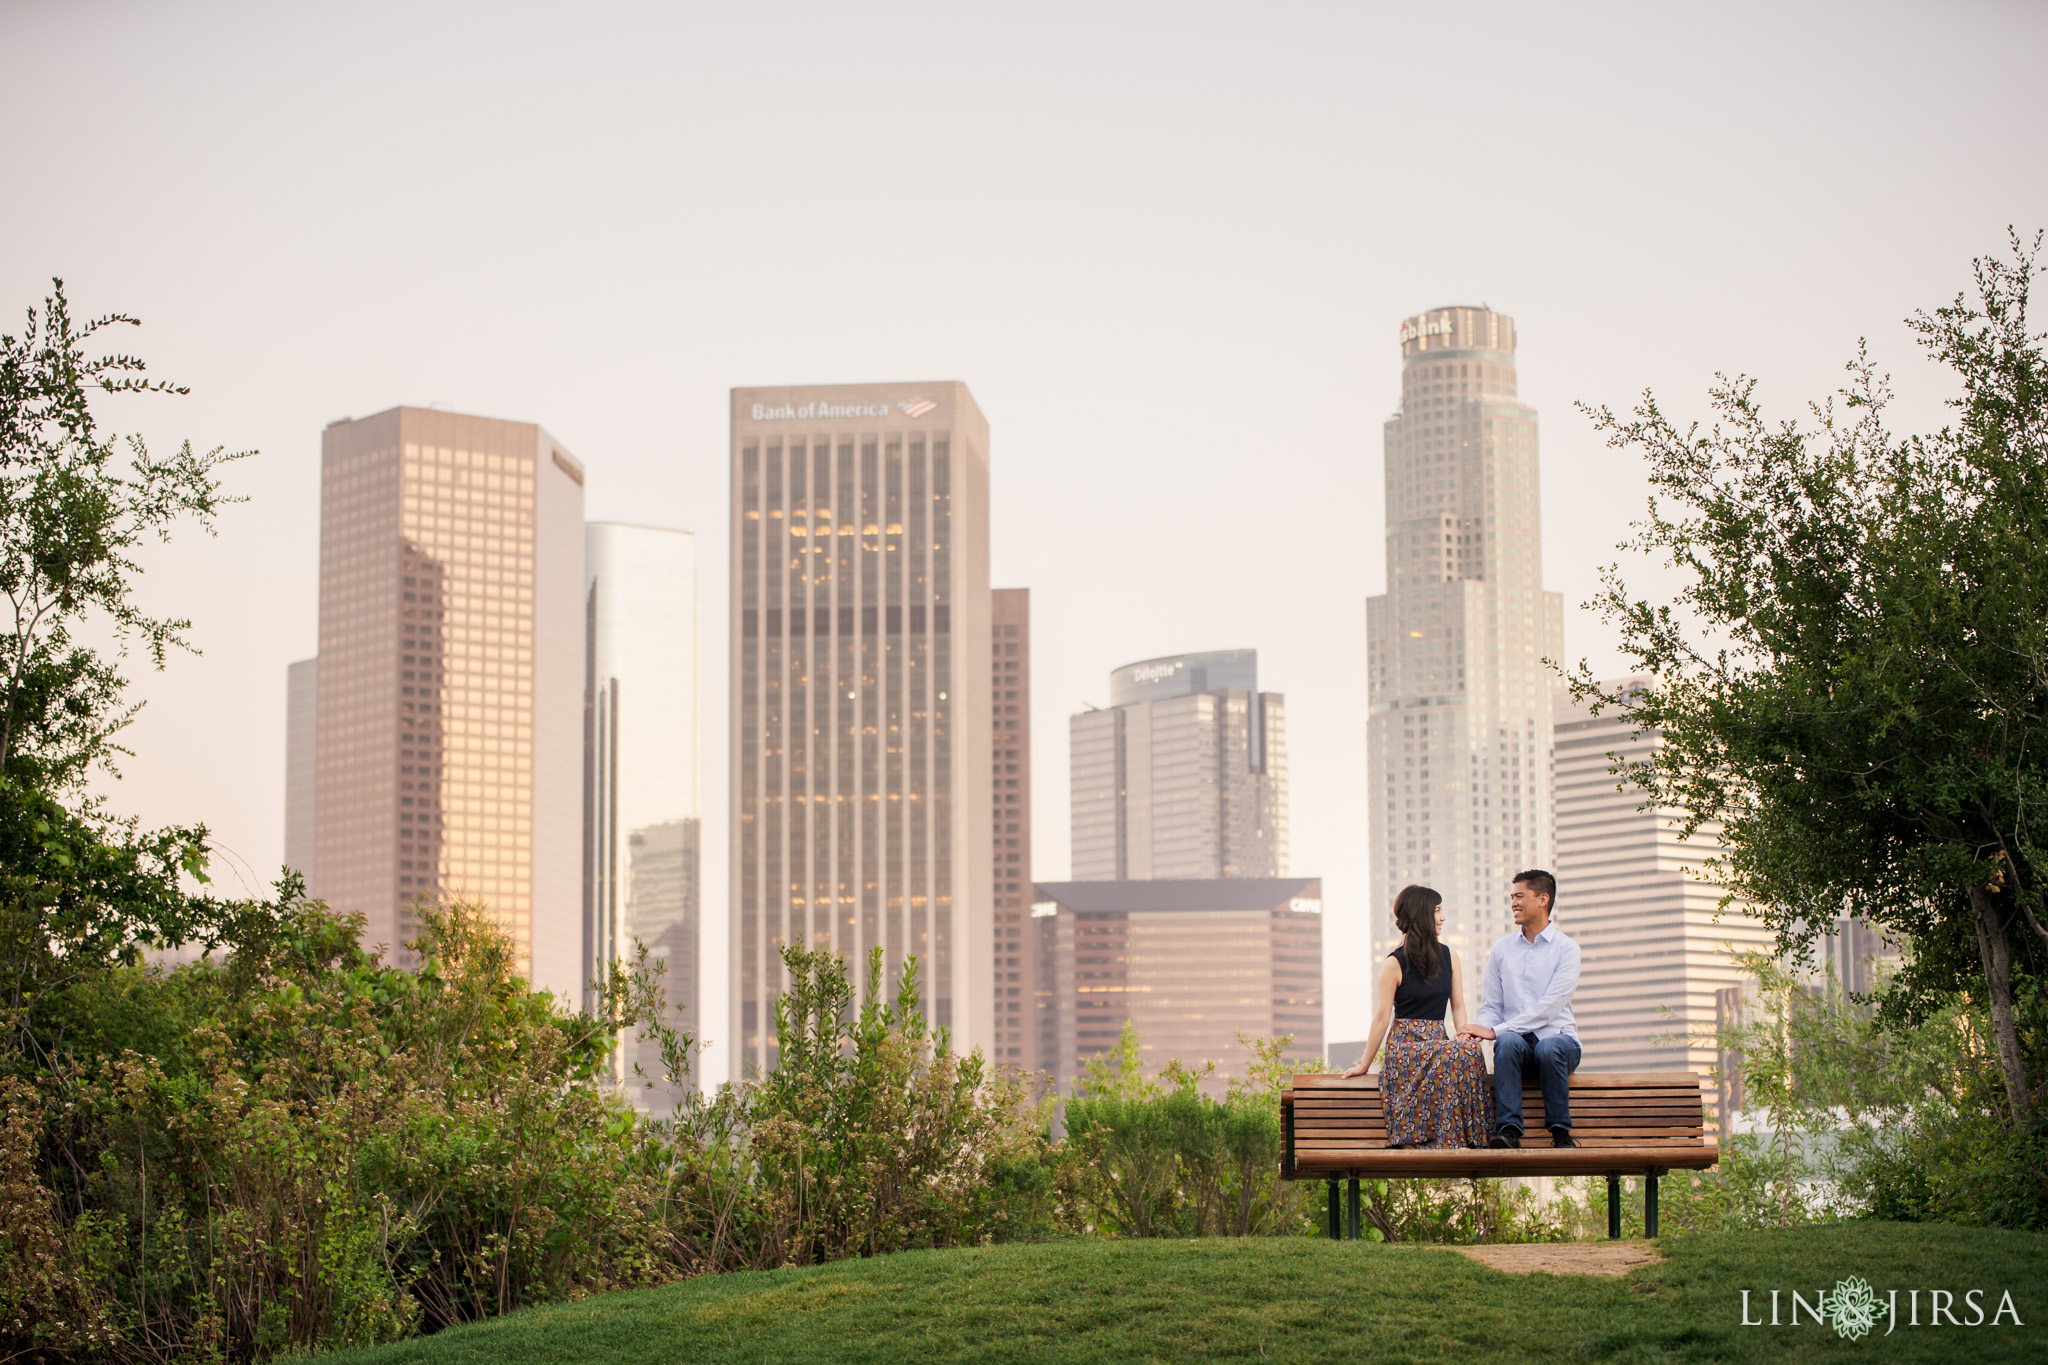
point(1358, 1070)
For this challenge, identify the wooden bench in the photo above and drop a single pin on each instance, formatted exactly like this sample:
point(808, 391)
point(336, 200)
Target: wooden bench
point(1625, 1123)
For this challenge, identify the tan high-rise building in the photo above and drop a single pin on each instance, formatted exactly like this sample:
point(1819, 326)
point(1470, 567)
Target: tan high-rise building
point(449, 704)
point(1459, 726)
point(1016, 997)
point(860, 685)
point(1656, 948)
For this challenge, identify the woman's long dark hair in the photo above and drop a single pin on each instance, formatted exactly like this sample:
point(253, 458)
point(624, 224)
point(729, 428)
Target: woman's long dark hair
point(1415, 917)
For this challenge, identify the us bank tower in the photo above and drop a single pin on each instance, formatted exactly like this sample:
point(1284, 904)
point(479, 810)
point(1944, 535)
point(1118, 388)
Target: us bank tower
point(1459, 728)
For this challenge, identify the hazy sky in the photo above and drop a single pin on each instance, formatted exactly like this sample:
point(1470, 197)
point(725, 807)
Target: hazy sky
point(1166, 245)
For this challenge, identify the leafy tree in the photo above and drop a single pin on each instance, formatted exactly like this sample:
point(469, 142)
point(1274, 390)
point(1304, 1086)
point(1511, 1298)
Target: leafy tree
point(72, 515)
point(78, 890)
point(1854, 683)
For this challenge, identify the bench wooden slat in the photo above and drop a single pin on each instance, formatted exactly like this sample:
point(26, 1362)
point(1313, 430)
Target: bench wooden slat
point(1521, 1162)
point(1332, 1095)
point(1372, 1100)
point(1581, 1130)
point(1584, 1080)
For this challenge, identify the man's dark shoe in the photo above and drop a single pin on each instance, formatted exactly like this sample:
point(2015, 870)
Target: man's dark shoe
point(1562, 1137)
point(1507, 1137)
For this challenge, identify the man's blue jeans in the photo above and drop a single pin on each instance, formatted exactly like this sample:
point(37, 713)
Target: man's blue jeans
point(1516, 1057)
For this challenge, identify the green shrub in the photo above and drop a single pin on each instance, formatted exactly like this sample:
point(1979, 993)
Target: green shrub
point(1159, 1158)
point(870, 1136)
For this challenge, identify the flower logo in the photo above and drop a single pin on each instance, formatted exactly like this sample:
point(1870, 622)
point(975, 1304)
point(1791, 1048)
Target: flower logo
point(1852, 1308)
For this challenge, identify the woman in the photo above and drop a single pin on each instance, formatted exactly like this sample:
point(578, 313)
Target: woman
point(1433, 1087)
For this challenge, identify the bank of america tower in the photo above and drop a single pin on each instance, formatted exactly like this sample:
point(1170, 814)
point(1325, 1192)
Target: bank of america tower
point(861, 722)
point(1459, 729)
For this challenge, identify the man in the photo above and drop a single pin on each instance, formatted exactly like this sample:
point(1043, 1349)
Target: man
point(1525, 1007)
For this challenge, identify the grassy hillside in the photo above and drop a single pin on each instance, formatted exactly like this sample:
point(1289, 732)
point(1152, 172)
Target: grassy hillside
point(1284, 1300)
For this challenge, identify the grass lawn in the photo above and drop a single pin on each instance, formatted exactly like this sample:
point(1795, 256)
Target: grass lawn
point(1286, 1300)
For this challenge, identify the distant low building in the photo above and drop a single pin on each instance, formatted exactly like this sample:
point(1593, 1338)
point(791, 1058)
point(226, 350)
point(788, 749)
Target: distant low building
point(1191, 964)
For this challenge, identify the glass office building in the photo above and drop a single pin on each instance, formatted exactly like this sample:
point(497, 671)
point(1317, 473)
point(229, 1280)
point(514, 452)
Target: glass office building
point(1459, 727)
point(447, 738)
point(640, 771)
point(1184, 775)
point(861, 696)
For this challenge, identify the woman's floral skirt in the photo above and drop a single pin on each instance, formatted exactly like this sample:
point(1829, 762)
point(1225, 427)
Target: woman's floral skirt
point(1435, 1090)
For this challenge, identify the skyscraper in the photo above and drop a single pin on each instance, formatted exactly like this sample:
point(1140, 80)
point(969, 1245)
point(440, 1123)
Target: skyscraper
point(861, 738)
point(1656, 948)
point(1016, 995)
point(640, 769)
point(1184, 775)
point(448, 737)
point(1459, 721)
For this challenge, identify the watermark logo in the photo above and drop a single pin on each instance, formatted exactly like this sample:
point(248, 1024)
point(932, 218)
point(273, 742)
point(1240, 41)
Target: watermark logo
point(1854, 1308)
point(916, 407)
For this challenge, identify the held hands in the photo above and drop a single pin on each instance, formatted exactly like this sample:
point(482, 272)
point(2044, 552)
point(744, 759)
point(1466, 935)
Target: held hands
point(1474, 1032)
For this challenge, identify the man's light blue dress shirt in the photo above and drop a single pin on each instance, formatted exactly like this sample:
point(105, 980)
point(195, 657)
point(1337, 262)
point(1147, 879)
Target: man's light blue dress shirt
point(1528, 986)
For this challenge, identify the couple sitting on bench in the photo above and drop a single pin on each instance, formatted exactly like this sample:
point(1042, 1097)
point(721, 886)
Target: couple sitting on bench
point(1433, 1087)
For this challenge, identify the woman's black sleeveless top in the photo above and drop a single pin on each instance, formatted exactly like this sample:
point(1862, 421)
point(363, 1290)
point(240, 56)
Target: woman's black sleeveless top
point(1417, 999)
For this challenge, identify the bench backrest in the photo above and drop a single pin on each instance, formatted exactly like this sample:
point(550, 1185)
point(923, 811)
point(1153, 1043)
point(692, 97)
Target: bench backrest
point(1333, 1116)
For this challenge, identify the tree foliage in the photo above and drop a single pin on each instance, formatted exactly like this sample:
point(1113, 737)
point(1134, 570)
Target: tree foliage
point(73, 513)
point(79, 891)
point(1854, 681)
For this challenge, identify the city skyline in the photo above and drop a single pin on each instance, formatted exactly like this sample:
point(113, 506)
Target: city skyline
point(1189, 383)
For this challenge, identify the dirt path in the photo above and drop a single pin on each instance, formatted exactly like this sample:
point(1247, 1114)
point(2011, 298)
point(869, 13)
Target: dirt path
point(1564, 1258)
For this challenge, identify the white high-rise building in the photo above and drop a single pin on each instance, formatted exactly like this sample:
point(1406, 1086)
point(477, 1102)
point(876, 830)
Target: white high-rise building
point(640, 770)
point(1459, 729)
point(1183, 776)
point(1656, 947)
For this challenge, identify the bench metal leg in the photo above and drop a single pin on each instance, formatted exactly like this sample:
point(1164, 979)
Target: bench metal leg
point(1354, 1231)
point(1650, 1204)
point(1335, 1217)
point(1613, 1208)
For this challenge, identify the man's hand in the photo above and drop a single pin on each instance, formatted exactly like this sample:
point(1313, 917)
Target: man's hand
point(1475, 1031)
